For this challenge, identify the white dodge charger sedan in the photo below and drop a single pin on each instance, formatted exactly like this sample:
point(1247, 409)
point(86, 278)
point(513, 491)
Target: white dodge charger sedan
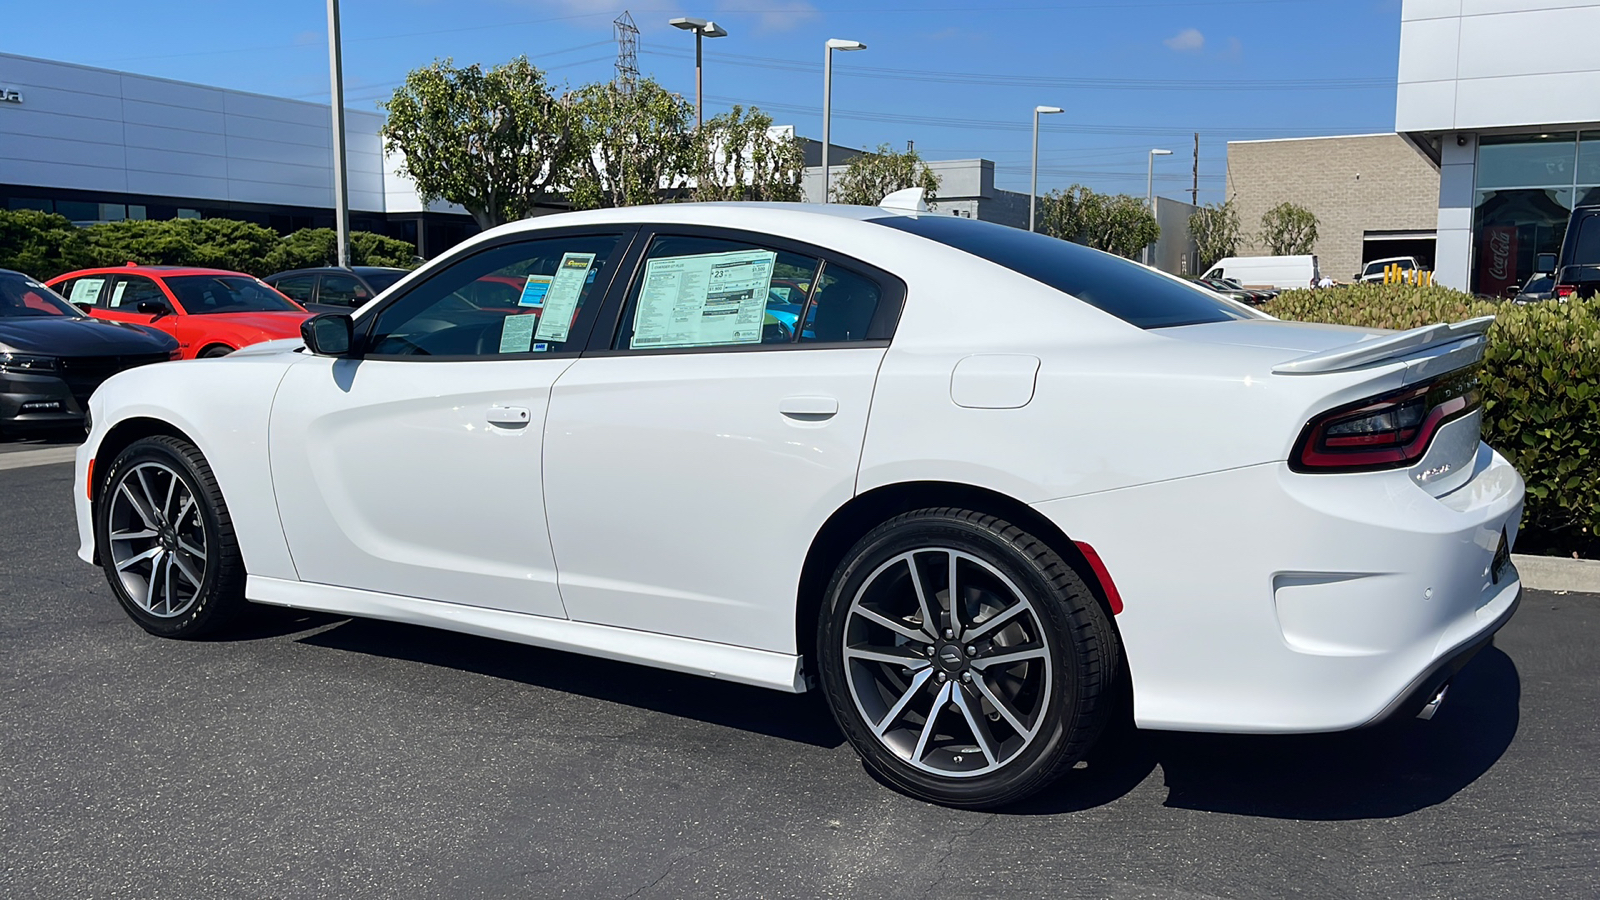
point(976, 485)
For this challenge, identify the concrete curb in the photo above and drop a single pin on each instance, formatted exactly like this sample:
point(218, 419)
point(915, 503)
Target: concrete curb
point(22, 459)
point(1555, 573)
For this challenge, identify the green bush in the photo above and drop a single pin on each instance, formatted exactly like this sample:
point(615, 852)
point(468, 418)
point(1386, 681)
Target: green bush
point(40, 244)
point(312, 247)
point(210, 243)
point(1541, 381)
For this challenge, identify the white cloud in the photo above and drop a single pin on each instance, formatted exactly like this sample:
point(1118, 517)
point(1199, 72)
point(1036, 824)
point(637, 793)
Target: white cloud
point(1186, 40)
point(774, 15)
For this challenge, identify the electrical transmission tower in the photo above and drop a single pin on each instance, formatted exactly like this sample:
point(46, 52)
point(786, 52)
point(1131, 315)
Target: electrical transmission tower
point(627, 52)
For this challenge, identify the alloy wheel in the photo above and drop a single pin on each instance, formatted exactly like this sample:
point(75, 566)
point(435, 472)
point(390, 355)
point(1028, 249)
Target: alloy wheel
point(157, 539)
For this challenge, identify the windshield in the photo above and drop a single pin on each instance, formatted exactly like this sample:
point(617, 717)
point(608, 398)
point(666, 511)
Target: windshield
point(1539, 283)
point(22, 296)
point(380, 281)
point(201, 294)
point(1125, 289)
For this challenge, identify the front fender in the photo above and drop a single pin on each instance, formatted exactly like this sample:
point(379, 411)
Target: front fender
point(222, 407)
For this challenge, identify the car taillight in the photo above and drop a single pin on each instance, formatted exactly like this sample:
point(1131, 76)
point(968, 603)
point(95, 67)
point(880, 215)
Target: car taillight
point(1388, 431)
point(1563, 291)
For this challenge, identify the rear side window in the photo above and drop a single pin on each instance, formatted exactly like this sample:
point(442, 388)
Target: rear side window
point(295, 287)
point(1587, 252)
point(1112, 284)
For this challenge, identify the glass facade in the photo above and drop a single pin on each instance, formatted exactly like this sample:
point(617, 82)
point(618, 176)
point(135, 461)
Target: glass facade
point(1526, 186)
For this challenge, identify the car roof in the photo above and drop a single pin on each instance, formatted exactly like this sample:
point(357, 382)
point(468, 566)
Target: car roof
point(359, 270)
point(725, 214)
point(154, 270)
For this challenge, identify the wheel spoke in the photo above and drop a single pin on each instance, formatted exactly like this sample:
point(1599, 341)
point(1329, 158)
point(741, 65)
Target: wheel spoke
point(939, 701)
point(183, 568)
point(951, 596)
point(894, 713)
point(995, 621)
point(980, 730)
point(138, 507)
point(188, 504)
point(1009, 659)
point(132, 535)
point(166, 582)
point(149, 495)
point(166, 505)
point(191, 549)
point(930, 619)
point(1002, 706)
point(899, 628)
point(903, 658)
point(154, 553)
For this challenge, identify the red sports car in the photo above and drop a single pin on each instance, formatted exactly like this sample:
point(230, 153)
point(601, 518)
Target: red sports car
point(212, 312)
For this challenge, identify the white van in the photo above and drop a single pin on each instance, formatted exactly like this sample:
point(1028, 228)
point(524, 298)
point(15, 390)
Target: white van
point(1281, 272)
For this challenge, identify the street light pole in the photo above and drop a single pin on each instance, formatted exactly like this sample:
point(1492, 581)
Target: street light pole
point(827, 99)
point(701, 29)
point(1150, 192)
point(1033, 188)
point(341, 194)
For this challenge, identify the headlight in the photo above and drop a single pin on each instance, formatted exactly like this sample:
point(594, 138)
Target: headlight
point(25, 364)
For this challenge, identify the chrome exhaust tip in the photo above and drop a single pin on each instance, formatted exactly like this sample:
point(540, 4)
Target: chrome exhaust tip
point(1432, 706)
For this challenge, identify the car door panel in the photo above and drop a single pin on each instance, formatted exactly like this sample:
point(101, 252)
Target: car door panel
point(682, 497)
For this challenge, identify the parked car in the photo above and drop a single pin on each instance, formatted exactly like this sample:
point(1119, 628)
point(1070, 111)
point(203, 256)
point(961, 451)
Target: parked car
point(212, 312)
point(1281, 272)
point(1227, 290)
point(52, 357)
point(1538, 288)
point(1374, 270)
point(1062, 449)
point(332, 289)
point(1255, 296)
point(1577, 267)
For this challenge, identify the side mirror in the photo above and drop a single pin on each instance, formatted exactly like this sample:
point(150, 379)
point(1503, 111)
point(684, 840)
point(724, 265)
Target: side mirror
point(329, 334)
point(154, 308)
point(1544, 263)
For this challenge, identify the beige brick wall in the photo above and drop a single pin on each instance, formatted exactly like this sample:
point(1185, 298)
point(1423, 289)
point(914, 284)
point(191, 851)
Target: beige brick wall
point(1352, 184)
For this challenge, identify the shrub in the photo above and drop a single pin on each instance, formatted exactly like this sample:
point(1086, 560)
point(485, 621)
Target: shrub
point(211, 243)
point(1541, 381)
point(313, 247)
point(40, 244)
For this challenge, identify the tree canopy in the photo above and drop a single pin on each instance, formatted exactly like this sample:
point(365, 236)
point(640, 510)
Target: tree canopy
point(737, 157)
point(1115, 223)
point(1215, 229)
point(870, 177)
point(1289, 229)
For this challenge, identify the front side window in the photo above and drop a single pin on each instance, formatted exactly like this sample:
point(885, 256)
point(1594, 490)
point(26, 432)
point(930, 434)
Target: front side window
point(1120, 287)
point(343, 290)
point(702, 292)
point(524, 297)
point(131, 290)
point(206, 294)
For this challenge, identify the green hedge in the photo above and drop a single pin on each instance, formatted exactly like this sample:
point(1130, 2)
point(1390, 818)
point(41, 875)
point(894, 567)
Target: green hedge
point(45, 245)
point(1541, 379)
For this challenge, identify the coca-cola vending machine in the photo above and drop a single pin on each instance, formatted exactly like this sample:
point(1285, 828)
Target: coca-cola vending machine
point(1497, 260)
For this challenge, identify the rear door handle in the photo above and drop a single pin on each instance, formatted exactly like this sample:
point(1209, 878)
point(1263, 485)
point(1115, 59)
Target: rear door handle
point(809, 409)
point(509, 416)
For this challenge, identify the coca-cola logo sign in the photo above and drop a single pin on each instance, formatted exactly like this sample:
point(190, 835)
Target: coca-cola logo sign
point(1497, 259)
point(1500, 255)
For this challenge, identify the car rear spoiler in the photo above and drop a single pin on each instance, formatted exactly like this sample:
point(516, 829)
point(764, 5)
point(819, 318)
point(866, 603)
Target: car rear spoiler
point(1468, 335)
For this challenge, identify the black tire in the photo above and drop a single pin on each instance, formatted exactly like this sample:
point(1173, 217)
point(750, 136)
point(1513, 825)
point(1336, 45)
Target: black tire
point(214, 351)
point(1073, 696)
point(220, 595)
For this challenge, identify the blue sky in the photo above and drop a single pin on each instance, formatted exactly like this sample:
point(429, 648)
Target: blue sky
point(957, 77)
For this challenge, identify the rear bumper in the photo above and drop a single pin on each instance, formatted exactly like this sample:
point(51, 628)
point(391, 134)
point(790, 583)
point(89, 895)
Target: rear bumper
point(1260, 600)
point(1426, 686)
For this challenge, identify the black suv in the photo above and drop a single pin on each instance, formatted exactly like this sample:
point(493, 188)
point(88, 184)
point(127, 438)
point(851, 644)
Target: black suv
point(332, 289)
point(1577, 270)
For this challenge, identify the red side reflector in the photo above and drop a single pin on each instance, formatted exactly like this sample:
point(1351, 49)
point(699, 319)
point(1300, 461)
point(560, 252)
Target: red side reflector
point(1098, 567)
point(88, 481)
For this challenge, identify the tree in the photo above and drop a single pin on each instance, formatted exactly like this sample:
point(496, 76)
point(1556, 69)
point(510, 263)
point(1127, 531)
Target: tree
point(1289, 230)
point(313, 247)
point(1115, 223)
point(632, 146)
point(1215, 229)
point(737, 157)
point(872, 176)
point(41, 244)
point(210, 243)
point(494, 142)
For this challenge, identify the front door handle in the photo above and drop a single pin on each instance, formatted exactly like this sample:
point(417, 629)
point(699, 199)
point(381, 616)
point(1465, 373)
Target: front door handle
point(508, 416)
point(809, 409)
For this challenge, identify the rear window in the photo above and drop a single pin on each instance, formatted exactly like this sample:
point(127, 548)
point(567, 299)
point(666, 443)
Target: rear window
point(1110, 283)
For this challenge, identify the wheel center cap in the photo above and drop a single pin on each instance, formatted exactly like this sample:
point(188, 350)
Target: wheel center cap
point(951, 658)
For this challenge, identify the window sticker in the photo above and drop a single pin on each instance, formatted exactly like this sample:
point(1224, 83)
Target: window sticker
point(86, 290)
point(516, 335)
point(705, 300)
point(782, 294)
point(534, 291)
point(540, 348)
point(561, 299)
point(116, 294)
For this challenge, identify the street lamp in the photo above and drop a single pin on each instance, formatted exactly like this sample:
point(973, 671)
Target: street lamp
point(827, 98)
point(701, 29)
point(1150, 193)
point(1033, 188)
point(341, 194)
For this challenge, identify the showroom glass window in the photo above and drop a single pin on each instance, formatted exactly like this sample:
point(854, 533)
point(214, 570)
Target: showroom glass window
point(1526, 186)
point(527, 297)
point(703, 293)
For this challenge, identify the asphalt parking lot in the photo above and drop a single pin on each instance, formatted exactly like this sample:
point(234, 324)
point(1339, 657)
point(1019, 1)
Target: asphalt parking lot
point(311, 756)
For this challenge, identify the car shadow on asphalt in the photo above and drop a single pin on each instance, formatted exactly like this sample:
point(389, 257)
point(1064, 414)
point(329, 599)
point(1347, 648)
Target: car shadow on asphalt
point(801, 718)
point(1377, 773)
